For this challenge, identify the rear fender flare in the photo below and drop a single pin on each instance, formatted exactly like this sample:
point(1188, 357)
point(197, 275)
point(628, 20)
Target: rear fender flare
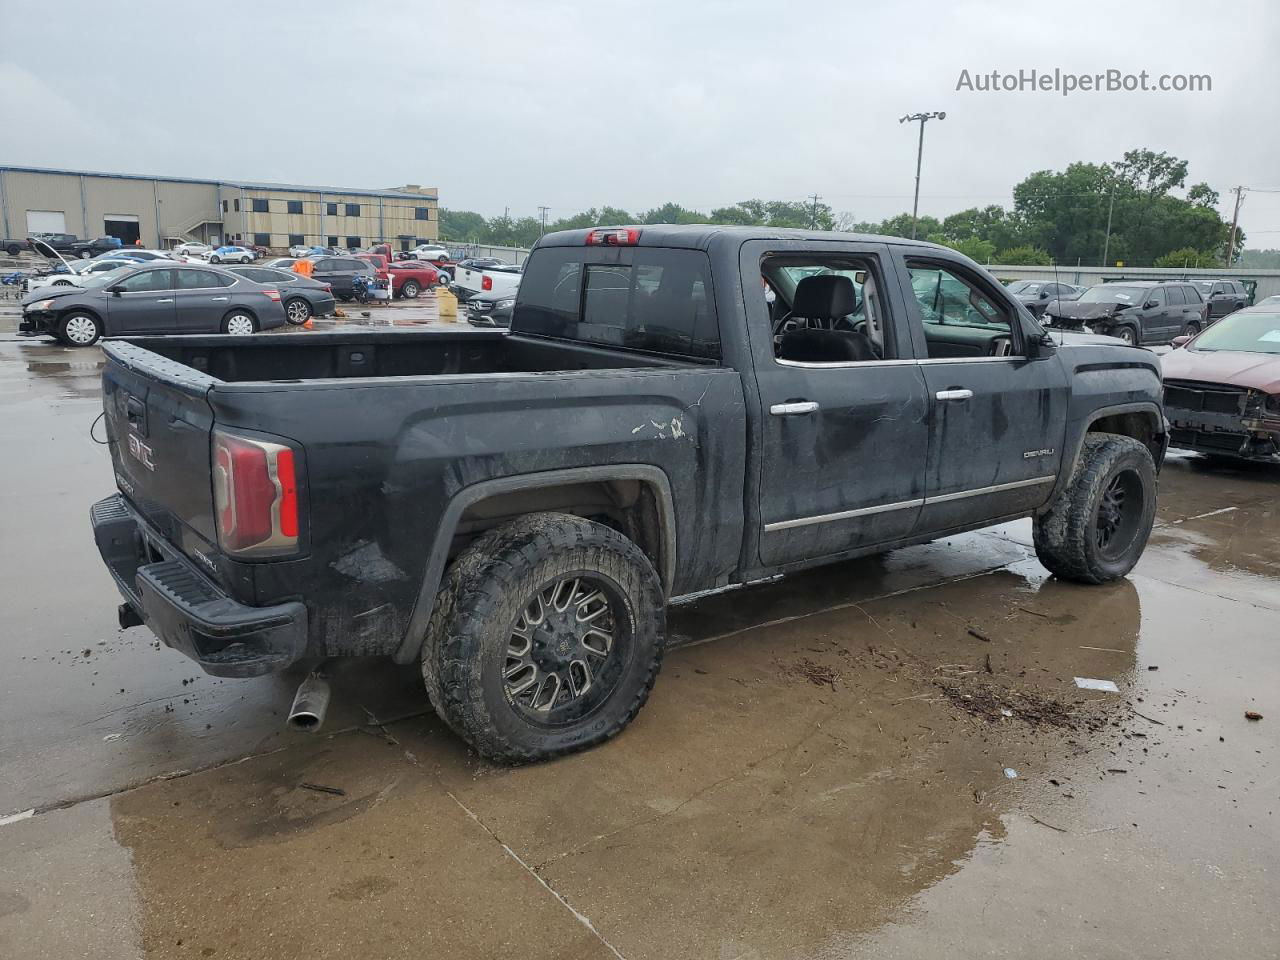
point(652, 476)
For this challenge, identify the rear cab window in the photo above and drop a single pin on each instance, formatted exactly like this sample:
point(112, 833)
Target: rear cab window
point(648, 299)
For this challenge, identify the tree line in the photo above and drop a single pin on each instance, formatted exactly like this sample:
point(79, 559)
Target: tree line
point(1137, 211)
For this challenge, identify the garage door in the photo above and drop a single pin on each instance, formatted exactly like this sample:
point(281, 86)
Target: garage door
point(46, 221)
point(123, 226)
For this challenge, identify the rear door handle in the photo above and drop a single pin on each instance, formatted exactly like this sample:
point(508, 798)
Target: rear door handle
point(793, 408)
point(165, 300)
point(961, 394)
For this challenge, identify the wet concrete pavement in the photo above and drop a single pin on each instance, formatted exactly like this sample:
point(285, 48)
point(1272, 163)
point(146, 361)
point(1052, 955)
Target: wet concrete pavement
point(819, 773)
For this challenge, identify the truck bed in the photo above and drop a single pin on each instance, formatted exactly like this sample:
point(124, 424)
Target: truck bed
point(417, 353)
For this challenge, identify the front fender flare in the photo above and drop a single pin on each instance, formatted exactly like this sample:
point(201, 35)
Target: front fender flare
point(1149, 407)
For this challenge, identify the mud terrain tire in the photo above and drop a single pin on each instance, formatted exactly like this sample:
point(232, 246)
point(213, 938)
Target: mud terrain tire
point(1097, 528)
point(483, 610)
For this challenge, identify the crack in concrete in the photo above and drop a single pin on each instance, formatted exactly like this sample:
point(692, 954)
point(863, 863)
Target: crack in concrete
point(582, 918)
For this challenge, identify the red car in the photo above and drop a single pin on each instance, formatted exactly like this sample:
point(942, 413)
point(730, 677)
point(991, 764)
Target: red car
point(408, 277)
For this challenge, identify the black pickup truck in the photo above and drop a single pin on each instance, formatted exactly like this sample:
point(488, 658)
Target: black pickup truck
point(675, 410)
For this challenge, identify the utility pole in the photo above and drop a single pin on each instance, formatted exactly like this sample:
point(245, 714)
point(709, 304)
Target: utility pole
point(1235, 220)
point(813, 215)
point(542, 220)
point(922, 118)
point(1106, 244)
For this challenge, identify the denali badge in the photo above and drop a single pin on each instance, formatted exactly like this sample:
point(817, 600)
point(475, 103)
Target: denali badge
point(141, 452)
point(1032, 454)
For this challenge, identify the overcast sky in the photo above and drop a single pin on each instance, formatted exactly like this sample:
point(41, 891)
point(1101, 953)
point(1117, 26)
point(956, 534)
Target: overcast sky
point(636, 102)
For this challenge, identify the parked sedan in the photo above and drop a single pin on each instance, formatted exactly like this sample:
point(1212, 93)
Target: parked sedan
point(304, 297)
point(135, 253)
point(1036, 294)
point(152, 299)
point(192, 249)
point(232, 255)
point(1222, 387)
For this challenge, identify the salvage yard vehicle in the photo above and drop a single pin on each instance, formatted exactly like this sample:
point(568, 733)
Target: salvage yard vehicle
point(1136, 311)
point(1035, 295)
point(515, 510)
point(1222, 296)
point(1222, 388)
point(232, 255)
point(488, 310)
point(303, 297)
point(472, 278)
point(158, 297)
point(338, 272)
point(73, 246)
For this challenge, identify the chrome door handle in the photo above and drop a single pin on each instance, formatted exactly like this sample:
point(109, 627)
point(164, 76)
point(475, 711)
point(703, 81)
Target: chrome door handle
point(961, 394)
point(165, 300)
point(793, 408)
point(219, 298)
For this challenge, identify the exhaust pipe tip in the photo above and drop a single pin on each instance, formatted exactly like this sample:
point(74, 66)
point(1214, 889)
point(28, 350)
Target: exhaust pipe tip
point(310, 704)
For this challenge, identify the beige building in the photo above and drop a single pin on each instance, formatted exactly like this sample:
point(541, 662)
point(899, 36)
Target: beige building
point(166, 211)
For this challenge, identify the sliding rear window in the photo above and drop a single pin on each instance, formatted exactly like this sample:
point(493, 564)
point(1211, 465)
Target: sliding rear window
point(653, 300)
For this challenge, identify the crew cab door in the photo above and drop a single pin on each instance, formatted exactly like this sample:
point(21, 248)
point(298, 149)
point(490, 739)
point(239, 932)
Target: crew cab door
point(997, 419)
point(842, 441)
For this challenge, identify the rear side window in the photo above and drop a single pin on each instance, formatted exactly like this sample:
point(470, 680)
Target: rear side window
point(657, 301)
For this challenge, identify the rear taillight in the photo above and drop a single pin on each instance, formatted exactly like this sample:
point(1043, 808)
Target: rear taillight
point(486, 283)
point(255, 495)
point(272, 295)
point(617, 237)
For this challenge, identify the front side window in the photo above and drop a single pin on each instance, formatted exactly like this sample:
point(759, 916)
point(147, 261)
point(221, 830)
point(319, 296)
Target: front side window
point(960, 318)
point(1156, 298)
point(146, 281)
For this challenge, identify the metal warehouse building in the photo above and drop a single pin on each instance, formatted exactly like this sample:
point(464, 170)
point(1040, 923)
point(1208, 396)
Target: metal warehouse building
point(165, 211)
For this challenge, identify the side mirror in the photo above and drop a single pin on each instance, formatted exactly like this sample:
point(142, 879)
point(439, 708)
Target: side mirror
point(1149, 304)
point(116, 288)
point(1044, 294)
point(1180, 341)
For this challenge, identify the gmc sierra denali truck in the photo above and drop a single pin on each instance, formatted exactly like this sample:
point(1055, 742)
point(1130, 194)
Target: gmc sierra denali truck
point(674, 410)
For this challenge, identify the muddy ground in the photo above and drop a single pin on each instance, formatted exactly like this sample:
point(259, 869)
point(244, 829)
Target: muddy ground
point(822, 771)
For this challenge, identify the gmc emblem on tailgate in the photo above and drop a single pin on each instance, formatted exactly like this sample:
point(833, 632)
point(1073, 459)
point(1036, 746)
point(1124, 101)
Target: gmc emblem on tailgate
point(141, 452)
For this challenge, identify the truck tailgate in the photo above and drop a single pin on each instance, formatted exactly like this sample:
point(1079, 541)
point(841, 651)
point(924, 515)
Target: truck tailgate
point(159, 423)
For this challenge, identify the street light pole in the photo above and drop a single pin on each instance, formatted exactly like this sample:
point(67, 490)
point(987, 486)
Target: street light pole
point(922, 118)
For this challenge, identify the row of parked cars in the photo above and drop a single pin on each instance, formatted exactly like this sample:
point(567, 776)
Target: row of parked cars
point(1139, 312)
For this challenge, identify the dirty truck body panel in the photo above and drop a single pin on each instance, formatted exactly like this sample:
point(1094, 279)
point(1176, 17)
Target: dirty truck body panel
point(728, 461)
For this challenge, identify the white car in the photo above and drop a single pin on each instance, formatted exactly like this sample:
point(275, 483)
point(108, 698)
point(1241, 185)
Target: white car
point(192, 249)
point(79, 272)
point(232, 255)
point(429, 251)
point(300, 250)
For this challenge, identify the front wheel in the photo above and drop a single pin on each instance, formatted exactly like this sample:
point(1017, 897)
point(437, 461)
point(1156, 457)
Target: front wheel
point(546, 638)
point(1191, 329)
point(13, 249)
point(297, 312)
point(410, 290)
point(1128, 335)
point(215, 259)
point(239, 324)
point(79, 329)
point(62, 283)
point(1096, 528)
point(85, 254)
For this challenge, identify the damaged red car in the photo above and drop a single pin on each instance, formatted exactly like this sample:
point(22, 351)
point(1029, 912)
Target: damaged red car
point(1222, 387)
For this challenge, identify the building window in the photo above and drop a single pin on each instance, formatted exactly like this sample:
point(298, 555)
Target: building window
point(331, 241)
point(422, 213)
point(353, 209)
point(237, 203)
point(295, 239)
point(331, 209)
point(262, 239)
point(260, 205)
point(353, 243)
point(295, 206)
point(224, 206)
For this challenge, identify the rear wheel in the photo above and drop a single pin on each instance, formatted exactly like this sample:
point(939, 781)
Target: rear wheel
point(238, 323)
point(546, 638)
point(79, 329)
point(85, 254)
point(297, 311)
point(13, 249)
point(1096, 529)
point(410, 289)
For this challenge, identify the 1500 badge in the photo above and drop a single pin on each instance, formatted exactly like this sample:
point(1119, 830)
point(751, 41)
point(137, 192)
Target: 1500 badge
point(141, 452)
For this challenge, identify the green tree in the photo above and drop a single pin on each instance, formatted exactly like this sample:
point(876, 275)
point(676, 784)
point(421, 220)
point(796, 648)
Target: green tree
point(462, 225)
point(672, 213)
point(1024, 256)
point(975, 248)
point(1189, 258)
